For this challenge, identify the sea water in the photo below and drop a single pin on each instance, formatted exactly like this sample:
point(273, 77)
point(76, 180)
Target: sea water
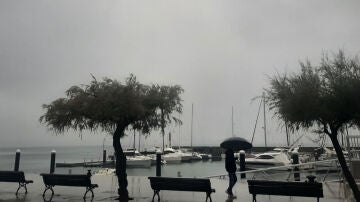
point(37, 160)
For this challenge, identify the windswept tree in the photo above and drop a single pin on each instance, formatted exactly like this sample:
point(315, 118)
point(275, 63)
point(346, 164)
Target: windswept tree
point(168, 100)
point(325, 98)
point(112, 107)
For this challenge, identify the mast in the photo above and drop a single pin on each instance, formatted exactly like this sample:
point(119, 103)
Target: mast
point(134, 143)
point(103, 144)
point(264, 120)
point(179, 133)
point(232, 121)
point(287, 135)
point(139, 141)
point(170, 139)
point(191, 132)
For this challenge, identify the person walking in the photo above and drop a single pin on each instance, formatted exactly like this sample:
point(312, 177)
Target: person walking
point(230, 167)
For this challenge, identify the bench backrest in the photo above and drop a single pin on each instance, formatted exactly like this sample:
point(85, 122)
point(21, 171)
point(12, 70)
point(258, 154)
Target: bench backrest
point(310, 189)
point(180, 184)
point(12, 176)
point(66, 180)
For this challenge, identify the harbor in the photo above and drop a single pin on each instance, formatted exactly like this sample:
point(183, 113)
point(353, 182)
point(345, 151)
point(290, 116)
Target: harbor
point(140, 190)
point(180, 101)
point(139, 186)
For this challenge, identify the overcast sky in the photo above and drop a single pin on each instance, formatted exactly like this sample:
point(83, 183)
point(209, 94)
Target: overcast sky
point(220, 52)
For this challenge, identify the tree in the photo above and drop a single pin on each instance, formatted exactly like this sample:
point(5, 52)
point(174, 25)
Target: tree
point(112, 107)
point(168, 100)
point(325, 97)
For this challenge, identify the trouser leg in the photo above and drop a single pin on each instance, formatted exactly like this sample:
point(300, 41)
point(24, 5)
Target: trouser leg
point(232, 181)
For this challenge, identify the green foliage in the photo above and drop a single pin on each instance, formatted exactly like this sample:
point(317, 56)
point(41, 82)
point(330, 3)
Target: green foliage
point(107, 104)
point(327, 95)
point(168, 100)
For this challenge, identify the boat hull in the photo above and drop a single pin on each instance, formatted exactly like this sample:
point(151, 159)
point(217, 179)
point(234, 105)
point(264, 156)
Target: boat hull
point(138, 163)
point(172, 159)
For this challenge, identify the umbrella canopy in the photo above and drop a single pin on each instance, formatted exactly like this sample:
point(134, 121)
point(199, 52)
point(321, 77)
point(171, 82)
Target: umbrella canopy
point(236, 143)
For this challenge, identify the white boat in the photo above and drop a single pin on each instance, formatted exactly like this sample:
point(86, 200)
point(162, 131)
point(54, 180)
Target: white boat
point(268, 159)
point(185, 156)
point(153, 159)
point(171, 156)
point(196, 157)
point(136, 160)
point(205, 156)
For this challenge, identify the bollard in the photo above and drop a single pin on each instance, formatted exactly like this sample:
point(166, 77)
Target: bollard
point(104, 156)
point(295, 158)
point(158, 164)
point(242, 164)
point(179, 174)
point(52, 161)
point(17, 160)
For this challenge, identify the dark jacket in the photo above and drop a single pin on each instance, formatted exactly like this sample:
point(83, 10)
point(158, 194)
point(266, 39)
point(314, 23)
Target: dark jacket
point(230, 165)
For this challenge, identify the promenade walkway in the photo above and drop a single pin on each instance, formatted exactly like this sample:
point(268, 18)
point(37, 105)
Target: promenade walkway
point(139, 188)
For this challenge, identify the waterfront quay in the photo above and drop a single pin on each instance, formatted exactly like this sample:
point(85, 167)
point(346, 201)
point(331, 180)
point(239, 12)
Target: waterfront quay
point(139, 188)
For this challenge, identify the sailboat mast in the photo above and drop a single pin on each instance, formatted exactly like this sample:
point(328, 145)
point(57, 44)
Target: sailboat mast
point(179, 134)
point(264, 120)
point(139, 142)
point(287, 135)
point(192, 119)
point(170, 139)
point(134, 143)
point(232, 121)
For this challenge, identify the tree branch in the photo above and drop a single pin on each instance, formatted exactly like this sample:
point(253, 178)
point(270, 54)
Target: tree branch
point(326, 131)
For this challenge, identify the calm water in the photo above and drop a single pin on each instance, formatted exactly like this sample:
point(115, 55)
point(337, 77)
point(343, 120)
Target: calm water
point(37, 160)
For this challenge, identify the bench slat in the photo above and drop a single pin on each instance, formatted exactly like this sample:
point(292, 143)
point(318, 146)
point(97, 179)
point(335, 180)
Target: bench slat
point(12, 176)
point(305, 189)
point(67, 180)
point(180, 184)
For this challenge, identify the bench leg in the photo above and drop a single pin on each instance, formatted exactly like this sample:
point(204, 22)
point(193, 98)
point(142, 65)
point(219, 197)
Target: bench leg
point(21, 185)
point(156, 192)
point(254, 197)
point(48, 187)
point(208, 195)
point(89, 189)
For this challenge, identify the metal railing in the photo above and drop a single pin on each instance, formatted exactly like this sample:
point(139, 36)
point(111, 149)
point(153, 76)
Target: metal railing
point(329, 166)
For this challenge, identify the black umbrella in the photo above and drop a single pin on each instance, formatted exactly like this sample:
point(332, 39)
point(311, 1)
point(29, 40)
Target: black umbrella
point(236, 143)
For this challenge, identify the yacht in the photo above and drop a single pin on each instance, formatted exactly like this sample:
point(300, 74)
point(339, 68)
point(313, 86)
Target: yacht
point(171, 156)
point(136, 160)
point(185, 156)
point(206, 157)
point(268, 159)
point(196, 157)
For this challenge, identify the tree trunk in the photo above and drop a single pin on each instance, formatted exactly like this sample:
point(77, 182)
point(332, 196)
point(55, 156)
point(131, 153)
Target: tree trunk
point(120, 164)
point(344, 167)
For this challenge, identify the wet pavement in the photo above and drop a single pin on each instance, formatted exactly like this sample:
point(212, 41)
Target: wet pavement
point(139, 188)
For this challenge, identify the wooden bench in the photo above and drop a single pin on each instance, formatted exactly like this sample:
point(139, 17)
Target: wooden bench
point(283, 188)
point(15, 176)
point(180, 184)
point(51, 180)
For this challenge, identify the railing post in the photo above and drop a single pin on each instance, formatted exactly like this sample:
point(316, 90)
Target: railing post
point(295, 158)
point(242, 164)
point(17, 160)
point(52, 161)
point(158, 164)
